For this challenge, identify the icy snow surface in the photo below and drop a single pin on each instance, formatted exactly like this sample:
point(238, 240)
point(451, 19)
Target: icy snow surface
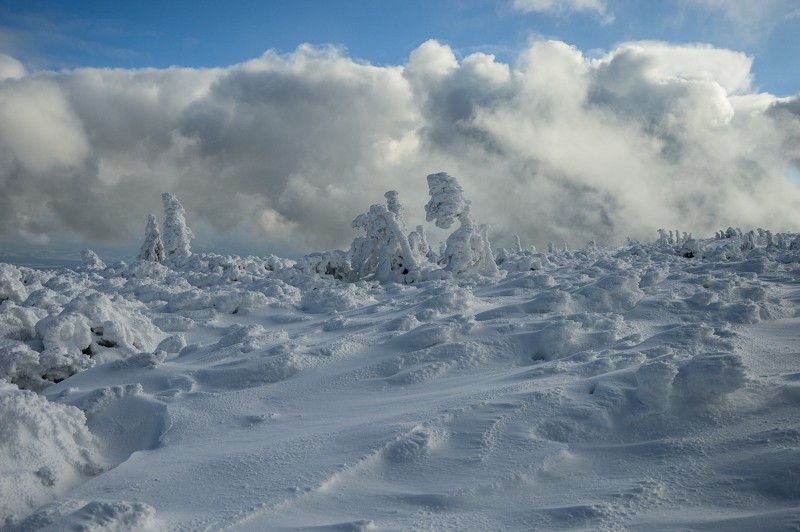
point(601, 389)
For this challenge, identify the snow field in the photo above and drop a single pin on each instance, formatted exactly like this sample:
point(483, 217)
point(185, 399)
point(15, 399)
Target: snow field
point(609, 388)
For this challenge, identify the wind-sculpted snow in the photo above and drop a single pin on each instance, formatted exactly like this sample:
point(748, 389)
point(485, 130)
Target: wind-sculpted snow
point(45, 449)
point(652, 386)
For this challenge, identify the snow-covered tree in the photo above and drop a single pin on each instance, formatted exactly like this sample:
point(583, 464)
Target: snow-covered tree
point(385, 250)
point(176, 233)
point(517, 244)
point(468, 249)
point(153, 249)
point(419, 245)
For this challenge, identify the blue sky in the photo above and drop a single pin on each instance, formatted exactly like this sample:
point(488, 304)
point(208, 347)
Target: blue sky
point(133, 34)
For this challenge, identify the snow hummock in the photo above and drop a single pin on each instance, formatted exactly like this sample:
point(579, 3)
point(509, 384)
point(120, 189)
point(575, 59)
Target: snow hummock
point(649, 386)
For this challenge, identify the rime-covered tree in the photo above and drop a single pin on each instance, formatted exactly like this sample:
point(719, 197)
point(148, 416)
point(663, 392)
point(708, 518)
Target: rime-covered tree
point(385, 250)
point(419, 245)
point(176, 233)
point(468, 249)
point(153, 249)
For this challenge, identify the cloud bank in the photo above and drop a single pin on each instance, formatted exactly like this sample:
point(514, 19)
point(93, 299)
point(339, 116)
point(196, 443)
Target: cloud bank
point(280, 153)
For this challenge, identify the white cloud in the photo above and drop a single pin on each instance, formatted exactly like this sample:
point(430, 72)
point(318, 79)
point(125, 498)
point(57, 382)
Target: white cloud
point(282, 152)
point(749, 21)
point(565, 7)
point(10, 68)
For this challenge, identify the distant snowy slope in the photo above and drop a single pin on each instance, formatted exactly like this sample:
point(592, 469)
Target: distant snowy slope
point(652, 386)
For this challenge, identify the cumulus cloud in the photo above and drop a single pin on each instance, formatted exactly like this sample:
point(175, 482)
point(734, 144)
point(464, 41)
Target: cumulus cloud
point(280, 153)
point(563, 7)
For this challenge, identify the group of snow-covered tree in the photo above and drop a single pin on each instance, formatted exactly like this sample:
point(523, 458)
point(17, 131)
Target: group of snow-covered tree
point(175, 242)
point(387, 252)
point(391, 254)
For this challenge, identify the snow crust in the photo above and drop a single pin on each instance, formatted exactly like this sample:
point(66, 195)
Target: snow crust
point(651, 386)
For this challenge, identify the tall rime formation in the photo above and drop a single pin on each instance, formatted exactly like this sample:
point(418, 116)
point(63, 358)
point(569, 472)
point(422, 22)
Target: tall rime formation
point(468, 249)
point(153, 249)
point(176, 233)
point(385, 250)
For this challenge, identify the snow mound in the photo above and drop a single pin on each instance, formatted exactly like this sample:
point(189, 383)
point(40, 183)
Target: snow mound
point(328, 300)
point(709, 377)
point(45, 450)
point(414, 445)
point(94, 516)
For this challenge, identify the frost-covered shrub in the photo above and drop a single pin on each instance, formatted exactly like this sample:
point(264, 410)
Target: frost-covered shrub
point(88, 324)
point(384, 252)
point(32, 370)
point(332, 263)
point(468, 249)
point(19, 322)
point(340, 298)
point(237, 301)
point(11, 286)
point(67, 332)
point(176, 233)
point(692, 248)
point(91, 261)
point(44, 346)
point(522, 261)
point(153, 249)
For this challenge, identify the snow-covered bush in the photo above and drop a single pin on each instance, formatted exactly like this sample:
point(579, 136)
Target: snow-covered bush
point(333, 263)
point(91, 261)
point(11, 285)
point(468, 249)
point(40, 349)
point(153, 249)
point(692, 248)
point(176, 233)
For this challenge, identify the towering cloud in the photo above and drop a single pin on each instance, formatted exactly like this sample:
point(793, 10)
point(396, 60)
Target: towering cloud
point(283, 151)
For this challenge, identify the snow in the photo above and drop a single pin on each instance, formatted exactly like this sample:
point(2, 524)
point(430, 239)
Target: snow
point(650, 386)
